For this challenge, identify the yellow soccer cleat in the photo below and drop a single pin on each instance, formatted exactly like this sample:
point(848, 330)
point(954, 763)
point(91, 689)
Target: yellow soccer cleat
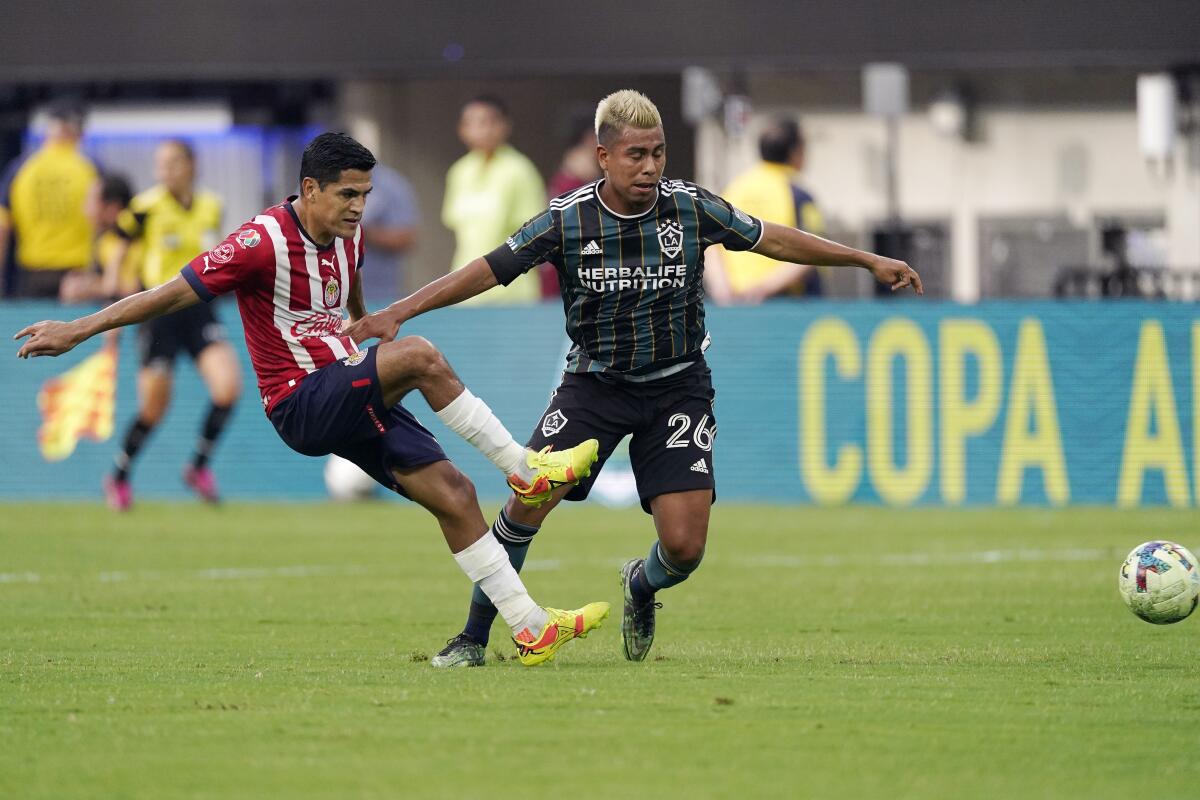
point(562, 627)
point(554, 469)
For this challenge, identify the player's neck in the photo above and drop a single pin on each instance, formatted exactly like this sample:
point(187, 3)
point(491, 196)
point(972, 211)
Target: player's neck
point(622, 206)
point(309, 226)
point(183, 198)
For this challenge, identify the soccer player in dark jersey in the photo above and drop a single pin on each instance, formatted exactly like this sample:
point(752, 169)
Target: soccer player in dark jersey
point(294, 269)
point(629, 253)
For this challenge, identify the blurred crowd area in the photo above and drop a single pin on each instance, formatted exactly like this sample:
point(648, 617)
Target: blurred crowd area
point(1053, 193)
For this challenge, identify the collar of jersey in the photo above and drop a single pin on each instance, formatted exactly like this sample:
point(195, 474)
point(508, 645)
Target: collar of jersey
point(300, 227)
point(657, 195)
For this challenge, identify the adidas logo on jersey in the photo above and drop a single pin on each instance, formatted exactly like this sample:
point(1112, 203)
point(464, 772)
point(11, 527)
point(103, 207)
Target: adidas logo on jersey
point(592, 249)
point(700, 466)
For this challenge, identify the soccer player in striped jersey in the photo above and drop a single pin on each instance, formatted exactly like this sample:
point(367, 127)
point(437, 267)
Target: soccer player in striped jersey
point(629, 251)
point(294, 271)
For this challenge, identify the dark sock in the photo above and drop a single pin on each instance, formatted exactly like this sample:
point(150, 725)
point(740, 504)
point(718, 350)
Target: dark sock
point(515, 539)
point(135, 437)
point(658, 572)
point(214, 423)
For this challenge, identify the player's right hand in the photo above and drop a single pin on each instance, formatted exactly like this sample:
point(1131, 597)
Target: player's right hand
point(381, 325)
point(47, 338)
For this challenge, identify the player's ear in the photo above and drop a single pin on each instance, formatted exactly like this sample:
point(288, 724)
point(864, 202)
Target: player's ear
point(602, 157)
point(309, 188)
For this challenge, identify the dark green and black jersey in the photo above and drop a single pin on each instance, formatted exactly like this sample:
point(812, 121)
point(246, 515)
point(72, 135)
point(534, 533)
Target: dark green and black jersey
point(631, 285)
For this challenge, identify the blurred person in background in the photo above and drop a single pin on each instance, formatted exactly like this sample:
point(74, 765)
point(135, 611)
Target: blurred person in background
point(173, 221)
point(108, 197)
point(42, 202)
point(389, 223)
point(578, 166)
point(769, 192)
point(490, 191)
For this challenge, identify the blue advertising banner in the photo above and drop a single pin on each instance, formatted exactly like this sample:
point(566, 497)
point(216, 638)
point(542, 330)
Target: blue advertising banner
point(898, 403)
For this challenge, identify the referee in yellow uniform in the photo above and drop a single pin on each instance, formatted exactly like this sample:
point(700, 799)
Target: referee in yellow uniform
point(43, 204)
point(174, 222)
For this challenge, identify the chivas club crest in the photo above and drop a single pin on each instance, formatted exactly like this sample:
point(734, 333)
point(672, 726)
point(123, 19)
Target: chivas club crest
point(670, 238)
point(333, 293)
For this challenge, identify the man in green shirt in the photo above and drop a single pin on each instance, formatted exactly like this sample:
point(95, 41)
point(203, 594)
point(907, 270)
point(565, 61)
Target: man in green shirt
point(489, 192)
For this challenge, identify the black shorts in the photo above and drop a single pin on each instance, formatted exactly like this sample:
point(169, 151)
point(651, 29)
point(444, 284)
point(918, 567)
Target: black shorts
point(339, 409)
point(671, 422)
point(188, 330)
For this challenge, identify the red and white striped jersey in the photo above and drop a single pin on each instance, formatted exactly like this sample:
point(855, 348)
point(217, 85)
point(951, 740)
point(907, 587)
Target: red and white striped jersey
point(292, 295)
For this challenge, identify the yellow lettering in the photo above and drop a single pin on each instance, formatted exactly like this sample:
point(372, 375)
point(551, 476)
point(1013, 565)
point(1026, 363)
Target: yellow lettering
point(826, 484)
point(1152, 397)
point(1039, 444)
point(899, 485)
point(961, 418)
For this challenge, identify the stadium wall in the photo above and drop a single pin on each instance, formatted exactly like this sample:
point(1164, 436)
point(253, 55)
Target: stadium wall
point(897, 403)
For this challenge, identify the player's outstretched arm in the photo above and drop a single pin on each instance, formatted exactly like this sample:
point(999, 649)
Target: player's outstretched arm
point(53, 338)
point(475, 278)
point(784, 243)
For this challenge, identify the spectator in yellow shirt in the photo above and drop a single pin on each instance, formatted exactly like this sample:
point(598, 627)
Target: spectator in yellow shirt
point(768, 192)
point(42, 202)
point(490, 192)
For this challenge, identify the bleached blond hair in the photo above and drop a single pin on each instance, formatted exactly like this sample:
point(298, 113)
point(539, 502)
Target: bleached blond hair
point(625, 109)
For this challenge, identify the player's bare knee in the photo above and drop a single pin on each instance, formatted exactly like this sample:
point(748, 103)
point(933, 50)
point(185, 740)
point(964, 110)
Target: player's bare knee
point(685, 550)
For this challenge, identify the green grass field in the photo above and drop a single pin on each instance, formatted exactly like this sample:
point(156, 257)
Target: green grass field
point(281, 651)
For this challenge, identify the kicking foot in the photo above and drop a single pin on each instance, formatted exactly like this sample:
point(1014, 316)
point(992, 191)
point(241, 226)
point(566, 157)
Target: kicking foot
point(554, 469)
point(562, 627)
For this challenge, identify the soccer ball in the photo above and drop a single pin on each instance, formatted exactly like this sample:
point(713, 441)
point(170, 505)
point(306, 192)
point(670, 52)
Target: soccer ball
point(1160, 582)
point(345, 482)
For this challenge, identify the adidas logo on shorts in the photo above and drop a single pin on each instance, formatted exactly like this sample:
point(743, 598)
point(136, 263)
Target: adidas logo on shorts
point(592, 249)
point(700, 466)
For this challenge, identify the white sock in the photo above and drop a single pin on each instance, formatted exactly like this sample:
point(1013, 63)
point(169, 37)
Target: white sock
point(470, 418)
point(486, 563)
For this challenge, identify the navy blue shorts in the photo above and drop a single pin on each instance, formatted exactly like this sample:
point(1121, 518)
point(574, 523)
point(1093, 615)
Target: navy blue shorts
point(339, 409)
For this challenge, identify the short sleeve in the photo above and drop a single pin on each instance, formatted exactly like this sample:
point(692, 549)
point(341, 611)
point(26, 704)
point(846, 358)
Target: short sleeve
point(536, 241)
point(721, 223)
point(244, 258)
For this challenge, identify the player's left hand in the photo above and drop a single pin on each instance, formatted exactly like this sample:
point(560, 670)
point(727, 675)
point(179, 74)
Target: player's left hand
point(380, 325)
point(47, 338)
point(895, 273)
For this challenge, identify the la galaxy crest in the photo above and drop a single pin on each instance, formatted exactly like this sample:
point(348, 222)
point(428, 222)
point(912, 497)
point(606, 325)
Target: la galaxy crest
point(670, 238)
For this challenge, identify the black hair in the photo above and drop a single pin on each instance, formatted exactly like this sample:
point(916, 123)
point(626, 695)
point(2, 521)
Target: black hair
point(779, 140)
point(491, 100)
point(115, 189)
point(329, 154)
point(67, 109)
point(184, 147)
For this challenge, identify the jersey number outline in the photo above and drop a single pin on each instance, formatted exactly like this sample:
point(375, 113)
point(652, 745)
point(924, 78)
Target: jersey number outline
point(702, 436)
